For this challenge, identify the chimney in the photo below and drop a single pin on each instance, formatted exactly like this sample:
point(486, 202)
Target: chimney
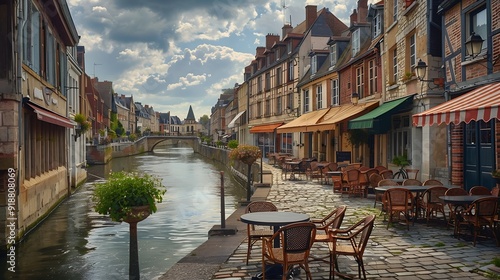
point(362, 10)
point(146, 106)
point(271, 39)
point(311, 12)
point(259, 51)
point(354, 17)
point(287, 28)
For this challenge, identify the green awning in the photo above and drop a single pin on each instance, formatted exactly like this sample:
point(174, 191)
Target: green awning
point(378, 121)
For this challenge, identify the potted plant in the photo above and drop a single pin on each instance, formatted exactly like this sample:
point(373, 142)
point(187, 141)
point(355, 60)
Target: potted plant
point(247, 154)
point(129, 197)
point(496, 175)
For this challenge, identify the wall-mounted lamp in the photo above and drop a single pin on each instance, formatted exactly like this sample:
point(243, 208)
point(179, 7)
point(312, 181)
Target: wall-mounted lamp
point(421, 71)
point(78, 132)
point(354, 98)
point(474, 47)
point(292, 112)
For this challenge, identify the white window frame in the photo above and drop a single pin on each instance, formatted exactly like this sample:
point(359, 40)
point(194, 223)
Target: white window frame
point(290, 70)
point(355, 42)
point(306, 100)
point(333, 55)
point(372, 76)
point(377, 25)
point(472, 26)
point(319, 96)
point(360, 81)
point(413, 51)
point(395, 64)
point(314, 64)
point(335, 92)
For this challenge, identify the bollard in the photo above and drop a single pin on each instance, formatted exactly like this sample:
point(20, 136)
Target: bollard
point(222, 204)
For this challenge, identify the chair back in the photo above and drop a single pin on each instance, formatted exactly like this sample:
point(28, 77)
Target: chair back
point(360, 233)
point(495, 191)
point(313, 166)
point(399, 197)
point(386, 174)
point(432, 182)
point(412, 171)
point(374, 179)
point(387, 182)
point(479, 190)
point(456, 191)
point(297, 237)
point(352, 175)
point(335, 218)
point(432, 194)
point(260, 206)
point(363, 168)
point(333, 166)
point(380, 168)
point(484, 208)
point(411, 182)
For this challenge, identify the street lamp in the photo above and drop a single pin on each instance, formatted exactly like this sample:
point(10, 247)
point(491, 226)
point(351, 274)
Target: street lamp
point(421, 71)
point(292, 112)
point(474, 45)
point(354, 98)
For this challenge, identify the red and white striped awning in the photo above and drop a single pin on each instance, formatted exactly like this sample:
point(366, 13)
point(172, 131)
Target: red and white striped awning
point(479, 104)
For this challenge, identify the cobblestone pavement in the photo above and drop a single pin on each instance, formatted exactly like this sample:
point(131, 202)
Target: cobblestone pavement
point(423, 252)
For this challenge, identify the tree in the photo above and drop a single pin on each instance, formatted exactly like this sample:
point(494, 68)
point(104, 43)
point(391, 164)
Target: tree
point(204, 120)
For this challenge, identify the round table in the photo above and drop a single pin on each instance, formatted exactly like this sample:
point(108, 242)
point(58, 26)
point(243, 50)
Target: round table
point(274, 219)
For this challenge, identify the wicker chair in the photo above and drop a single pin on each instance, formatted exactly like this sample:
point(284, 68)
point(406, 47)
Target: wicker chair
point(313, 171)
point(296, 241)
point(430, 202)
point(411, 171)
point(366, 183)
point(350, 242)
point(453, 209)
point(379, 197)
point(481, 213)
point(352, 177)
point(331, 221)
point(411, 182)
point(255, 234)
point(479, 190)
point(399, 201)
point(386, 174)
point(380, 168)
point(432, 182)
point(495, 191)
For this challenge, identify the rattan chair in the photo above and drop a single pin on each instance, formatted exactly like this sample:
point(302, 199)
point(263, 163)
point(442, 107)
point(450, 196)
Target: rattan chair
point(386, 174)
point(380, 168)
point(411, 182)
point(296, 241)
point(430, 202)
point(331, 221)
point(495, 191)
point(352, 177)
point(379, 196)
point(481, 213)
point(432, 182)
point(350, 242)
point(366, 184)
point(452, 208)
point(412, 171)
point(479, 190)
point(399, 203)
point(254, 233)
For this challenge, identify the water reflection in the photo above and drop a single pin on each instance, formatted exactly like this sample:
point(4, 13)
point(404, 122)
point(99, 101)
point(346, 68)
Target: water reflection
point(76, 243)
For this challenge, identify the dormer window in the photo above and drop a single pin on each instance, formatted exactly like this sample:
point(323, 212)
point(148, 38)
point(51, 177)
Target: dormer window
point(314, 64)
point(377, 25)
point(277, 54)
point(355, 42)
point(333, 55)
point(289, 46)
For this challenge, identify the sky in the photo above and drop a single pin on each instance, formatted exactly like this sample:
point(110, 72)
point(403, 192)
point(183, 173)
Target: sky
point(172, 54)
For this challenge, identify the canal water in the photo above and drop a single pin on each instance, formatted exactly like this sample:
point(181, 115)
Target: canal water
point(74, 242)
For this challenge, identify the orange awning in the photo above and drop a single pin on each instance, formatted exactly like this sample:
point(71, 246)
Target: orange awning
point(340, 113)
point(50, 117)
point(265, 128)
point(478, 104)
point(302, 123)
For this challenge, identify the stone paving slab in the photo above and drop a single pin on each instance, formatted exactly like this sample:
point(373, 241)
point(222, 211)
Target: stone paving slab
point(423, 252)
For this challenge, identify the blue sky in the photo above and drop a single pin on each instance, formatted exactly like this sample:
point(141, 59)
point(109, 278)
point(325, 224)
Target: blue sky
point(171, 54)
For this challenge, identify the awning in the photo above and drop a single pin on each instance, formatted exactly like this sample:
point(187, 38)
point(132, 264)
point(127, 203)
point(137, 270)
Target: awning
point(378, 121)
point(478, 104)
point(50, 117)
point(265, 128)
point(340, 113)
point(231, 124)
point(302, 123)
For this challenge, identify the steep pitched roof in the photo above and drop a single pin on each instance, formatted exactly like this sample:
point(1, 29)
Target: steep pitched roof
point(190, 115)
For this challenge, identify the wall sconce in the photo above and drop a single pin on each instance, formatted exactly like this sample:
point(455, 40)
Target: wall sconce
point(474, 47)
point(354, 98)
point(292, 112)
point(78, 132)
point(421, 71)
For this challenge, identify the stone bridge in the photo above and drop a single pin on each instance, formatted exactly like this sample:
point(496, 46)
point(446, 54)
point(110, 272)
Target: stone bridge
point(150, 142)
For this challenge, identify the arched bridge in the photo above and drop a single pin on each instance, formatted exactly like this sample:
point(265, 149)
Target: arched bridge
point(148, 143)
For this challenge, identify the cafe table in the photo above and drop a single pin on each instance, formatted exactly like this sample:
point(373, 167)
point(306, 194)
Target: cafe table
point(275, 219)
point(293, 167)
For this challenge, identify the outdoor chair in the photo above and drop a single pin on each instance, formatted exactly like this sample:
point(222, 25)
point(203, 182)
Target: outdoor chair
point(331, 221)
point(480, 214)
point(333, 166)
point(386, 174)
point(254, 233)
point(430, 202)
point(379, 196)
point(399, 203)
point(350, 242)
point(313, 171)
point(452, 220)
point(479, 190)
point(411, 182)
point(412, 171)
point(495, 191)
point(352, 177)
point(296, 241)
point(380, 168)
point(365, 183)
point(432, 182)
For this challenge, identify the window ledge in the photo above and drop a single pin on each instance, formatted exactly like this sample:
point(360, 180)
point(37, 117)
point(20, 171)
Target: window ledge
point(479, 58)
point(392, 26)
point(410, 8)
point(393, 87)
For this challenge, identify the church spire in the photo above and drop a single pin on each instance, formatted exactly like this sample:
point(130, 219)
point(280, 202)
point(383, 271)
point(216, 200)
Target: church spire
point(190, 115)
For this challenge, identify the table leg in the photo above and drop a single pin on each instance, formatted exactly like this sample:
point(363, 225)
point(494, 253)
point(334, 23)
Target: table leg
point(276, 240)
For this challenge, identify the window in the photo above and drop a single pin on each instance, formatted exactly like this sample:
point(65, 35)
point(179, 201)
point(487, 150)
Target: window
point(267, 111)
point(259, 109)
point(335, 92)
point(372, 73)
point(355, 42)
point(314, 64)
point(50, 60)
point(289, 46)
point(412, 48)
point(306, 101)
point(290, 101)
point(279, 105)
point(377, 24)
point(401, 136)
point(477, 24)
point(319, 96)
point(268, 81)
point(278, 76)
point(360, 84)
point(395, 65)
point(286, 143)
point(259, 84)
point(290, 70)
point(31, 35)
point(395, 11)
point(333, 55)
point(277, 54)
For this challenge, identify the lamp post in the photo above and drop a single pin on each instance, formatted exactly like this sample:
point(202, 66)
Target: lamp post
point(474, 45)
point(354, 98)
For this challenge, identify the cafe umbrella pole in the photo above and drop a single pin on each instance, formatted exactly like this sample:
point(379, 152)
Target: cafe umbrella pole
point(222, 204)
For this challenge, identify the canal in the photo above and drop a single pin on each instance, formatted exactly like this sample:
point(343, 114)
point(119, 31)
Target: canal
point(74, 242)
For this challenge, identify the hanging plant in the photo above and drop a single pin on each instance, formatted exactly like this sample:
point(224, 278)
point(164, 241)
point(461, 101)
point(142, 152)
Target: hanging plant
point(82, 122)
point(357, 137)
point(245, 153)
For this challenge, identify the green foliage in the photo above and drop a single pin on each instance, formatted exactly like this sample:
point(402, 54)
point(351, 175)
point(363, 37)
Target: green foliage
point(495, 173)
point(357, 137)
point(124, 190)
point(82, 121)
point(132, 137)
point(245, 153)
point(232, 144)
point(401, 161)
